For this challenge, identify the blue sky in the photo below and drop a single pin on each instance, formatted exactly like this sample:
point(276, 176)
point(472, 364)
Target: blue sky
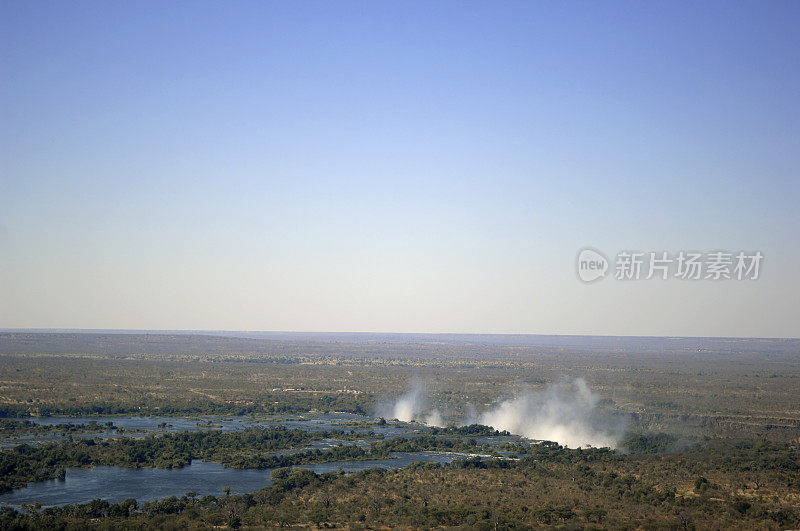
point(388, 166)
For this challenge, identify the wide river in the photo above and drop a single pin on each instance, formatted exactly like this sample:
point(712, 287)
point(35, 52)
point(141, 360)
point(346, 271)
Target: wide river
point(116, 484)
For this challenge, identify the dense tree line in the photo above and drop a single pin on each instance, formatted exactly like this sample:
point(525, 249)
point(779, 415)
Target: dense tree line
point(264, 404)
point(12, 427)
point(574, 489)
point(474, 430)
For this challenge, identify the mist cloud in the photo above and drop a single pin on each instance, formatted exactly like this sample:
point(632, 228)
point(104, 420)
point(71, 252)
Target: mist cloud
point(412, 406)
point(564, 412)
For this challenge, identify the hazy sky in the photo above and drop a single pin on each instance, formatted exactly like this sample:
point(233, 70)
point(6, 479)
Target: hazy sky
point(395, 166)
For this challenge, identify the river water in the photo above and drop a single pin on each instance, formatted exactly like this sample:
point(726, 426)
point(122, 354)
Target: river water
point(116, 484)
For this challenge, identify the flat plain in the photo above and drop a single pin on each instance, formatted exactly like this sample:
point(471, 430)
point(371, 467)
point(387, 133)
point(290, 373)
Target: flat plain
point(709, 427)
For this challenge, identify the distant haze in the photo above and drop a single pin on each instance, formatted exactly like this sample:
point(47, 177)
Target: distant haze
point(395, 167)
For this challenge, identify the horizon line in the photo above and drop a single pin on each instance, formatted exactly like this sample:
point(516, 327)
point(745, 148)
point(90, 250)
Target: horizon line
point(190, 331)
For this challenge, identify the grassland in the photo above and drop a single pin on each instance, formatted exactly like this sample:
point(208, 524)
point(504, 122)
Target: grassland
point(734, 405)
